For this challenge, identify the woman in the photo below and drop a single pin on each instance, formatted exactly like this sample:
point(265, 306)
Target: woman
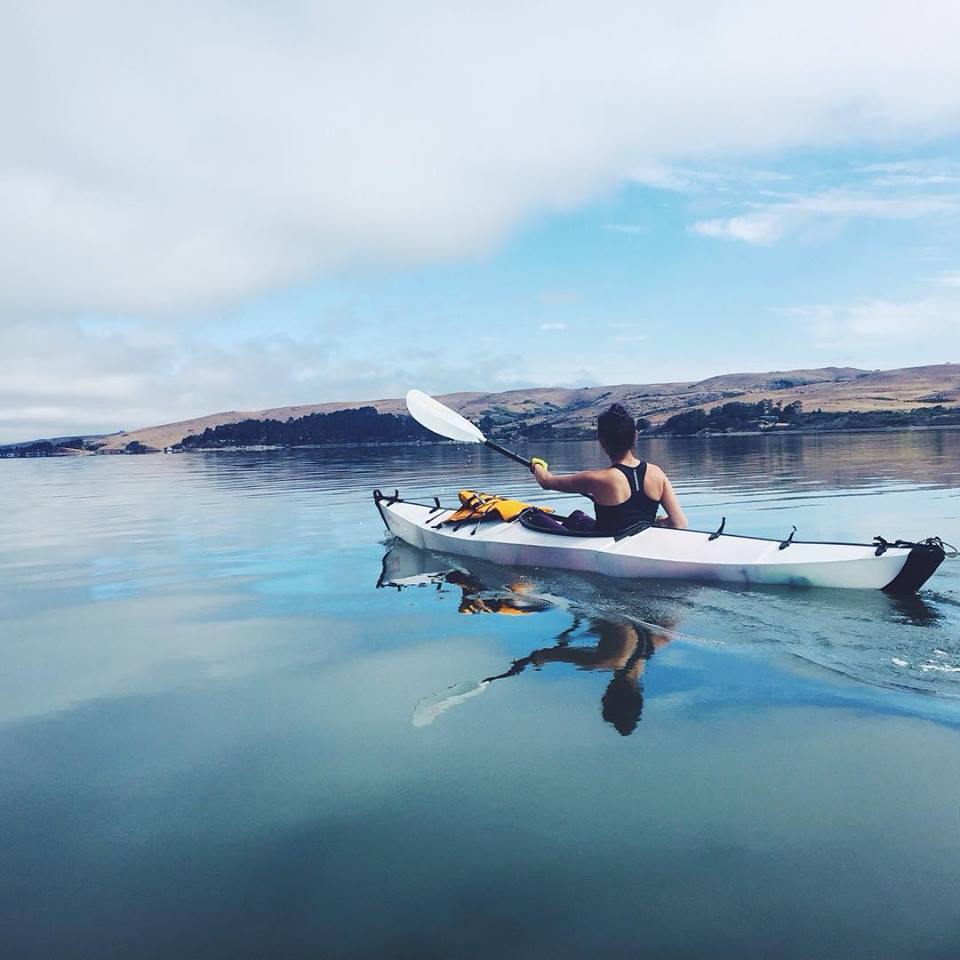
point(627, 491)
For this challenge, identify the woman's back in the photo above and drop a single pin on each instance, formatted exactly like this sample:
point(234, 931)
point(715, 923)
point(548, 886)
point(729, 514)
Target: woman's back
point(638, 506)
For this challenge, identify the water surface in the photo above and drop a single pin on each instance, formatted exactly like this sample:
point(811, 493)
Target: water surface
point(211, 667)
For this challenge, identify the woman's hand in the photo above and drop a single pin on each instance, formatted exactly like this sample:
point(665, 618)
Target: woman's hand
point(538, 467)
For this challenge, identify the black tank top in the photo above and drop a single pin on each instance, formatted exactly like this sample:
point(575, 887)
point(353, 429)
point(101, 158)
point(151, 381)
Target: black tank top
point(638, 507)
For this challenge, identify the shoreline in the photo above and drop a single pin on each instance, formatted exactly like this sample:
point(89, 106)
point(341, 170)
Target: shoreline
point(6, 453)
point(640, 436)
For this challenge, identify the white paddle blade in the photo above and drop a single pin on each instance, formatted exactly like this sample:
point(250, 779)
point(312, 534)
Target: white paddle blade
point(437, 418)
point(429, 708)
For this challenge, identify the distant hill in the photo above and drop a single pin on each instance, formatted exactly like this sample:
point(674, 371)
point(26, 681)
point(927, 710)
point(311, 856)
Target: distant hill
point(574, 411)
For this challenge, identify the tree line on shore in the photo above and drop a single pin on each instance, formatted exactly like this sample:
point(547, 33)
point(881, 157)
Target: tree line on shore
point(736, 416)
point(368, 425)
point(360, 425)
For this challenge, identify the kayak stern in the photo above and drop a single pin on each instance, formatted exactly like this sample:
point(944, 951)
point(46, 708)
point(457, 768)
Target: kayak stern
point(920, 566)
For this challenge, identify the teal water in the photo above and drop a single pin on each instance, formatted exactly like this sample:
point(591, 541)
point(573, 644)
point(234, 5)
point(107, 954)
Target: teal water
point(237, 721)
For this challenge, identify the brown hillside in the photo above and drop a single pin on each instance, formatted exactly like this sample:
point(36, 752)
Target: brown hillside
point(831, 388)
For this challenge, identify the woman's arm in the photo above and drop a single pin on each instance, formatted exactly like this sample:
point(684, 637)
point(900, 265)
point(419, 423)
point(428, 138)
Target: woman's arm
point(583, 482)
point(675, 515)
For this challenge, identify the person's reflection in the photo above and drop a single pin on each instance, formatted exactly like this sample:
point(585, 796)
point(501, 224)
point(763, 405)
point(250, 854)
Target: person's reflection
point(622, 647)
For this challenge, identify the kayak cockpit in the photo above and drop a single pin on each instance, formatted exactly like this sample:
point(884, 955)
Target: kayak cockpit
point(536, 519)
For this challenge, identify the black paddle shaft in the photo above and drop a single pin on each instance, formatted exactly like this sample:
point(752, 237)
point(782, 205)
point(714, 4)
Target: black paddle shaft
point(508, 453)
point(518, 458)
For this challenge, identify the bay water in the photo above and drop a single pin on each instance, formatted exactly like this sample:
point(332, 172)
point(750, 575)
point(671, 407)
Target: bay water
point(238, 720)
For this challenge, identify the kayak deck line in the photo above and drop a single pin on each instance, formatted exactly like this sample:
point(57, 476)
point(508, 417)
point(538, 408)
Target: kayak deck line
point(651, 551)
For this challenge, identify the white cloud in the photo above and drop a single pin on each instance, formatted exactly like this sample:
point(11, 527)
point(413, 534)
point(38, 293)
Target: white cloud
point(67, 377)
point(870, 324)
point(663, 176)
point(628, 228)
point(948, 278)
point(630, 331)
point(751, 228)
point(165, 157)
point(555, 325)
point(685, 179)
point(926, 172)
point(62, 377)
point(771, 222)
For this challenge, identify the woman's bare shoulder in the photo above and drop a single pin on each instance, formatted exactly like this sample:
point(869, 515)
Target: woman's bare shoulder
point(605, 477)
point(655, 481)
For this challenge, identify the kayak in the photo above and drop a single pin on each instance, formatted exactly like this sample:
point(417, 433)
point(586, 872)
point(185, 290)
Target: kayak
point(649, 551)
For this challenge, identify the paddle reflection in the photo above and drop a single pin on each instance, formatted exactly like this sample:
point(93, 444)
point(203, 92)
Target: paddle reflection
point(620, 646)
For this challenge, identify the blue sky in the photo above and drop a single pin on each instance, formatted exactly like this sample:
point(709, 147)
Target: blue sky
point(856, 262)
point(209, 205)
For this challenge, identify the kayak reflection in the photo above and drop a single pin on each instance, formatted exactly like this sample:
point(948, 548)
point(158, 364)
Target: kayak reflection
point(621, 646)
point(405, 566)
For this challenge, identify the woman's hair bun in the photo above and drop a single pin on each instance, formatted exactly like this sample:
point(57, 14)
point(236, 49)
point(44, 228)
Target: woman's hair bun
point(616, 430)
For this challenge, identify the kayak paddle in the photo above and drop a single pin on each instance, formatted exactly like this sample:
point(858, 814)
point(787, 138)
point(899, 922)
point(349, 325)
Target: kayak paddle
point(445, 422)
point(429, 708)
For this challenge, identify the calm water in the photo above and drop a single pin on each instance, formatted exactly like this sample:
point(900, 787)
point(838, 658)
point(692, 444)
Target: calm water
point(220, 738)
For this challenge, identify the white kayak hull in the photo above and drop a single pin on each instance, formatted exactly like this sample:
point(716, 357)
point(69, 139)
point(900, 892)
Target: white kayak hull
point(664, 553)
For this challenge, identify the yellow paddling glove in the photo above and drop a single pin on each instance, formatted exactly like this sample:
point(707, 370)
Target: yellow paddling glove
point(539, 462)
